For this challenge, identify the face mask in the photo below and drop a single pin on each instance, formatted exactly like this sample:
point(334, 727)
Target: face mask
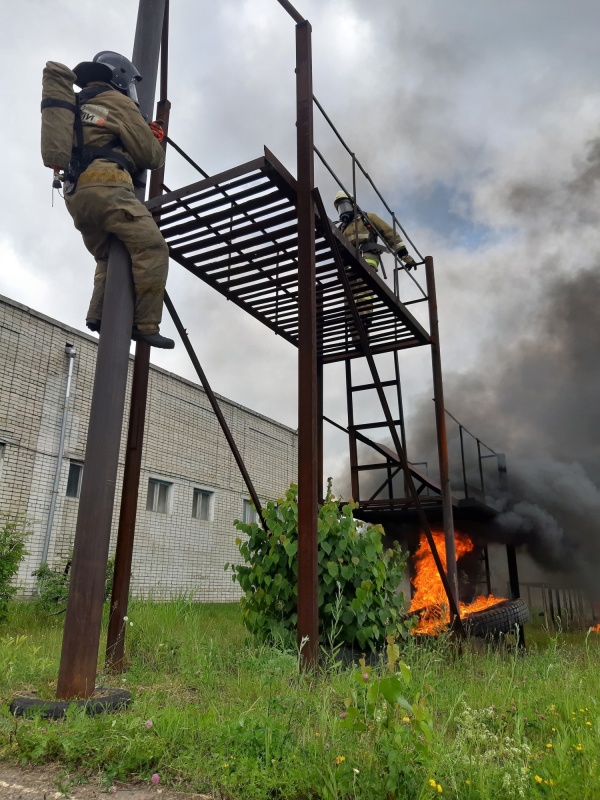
point(346, 210)
point(132, 92)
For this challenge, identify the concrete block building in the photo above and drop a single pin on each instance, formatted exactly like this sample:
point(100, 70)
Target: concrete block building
point(190, 486)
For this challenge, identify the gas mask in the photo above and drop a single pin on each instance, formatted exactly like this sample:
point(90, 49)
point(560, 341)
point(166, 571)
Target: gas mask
point(345, 209)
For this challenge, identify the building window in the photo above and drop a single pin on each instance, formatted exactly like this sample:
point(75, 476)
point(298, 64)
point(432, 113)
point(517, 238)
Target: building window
point(158, 496)
point(202, 504)
point(74, 479)
point(249, 513)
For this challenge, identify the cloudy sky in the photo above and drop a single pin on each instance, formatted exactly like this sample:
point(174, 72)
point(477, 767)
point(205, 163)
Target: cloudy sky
point(477, 120)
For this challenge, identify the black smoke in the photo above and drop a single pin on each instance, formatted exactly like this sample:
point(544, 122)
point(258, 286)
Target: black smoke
point(535, 394)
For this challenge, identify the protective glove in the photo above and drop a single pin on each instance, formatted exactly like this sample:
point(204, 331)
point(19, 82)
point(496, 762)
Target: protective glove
point(158, 130)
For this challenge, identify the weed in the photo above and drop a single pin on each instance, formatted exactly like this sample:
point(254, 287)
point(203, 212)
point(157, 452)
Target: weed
point(14, 532)
point(235, 719)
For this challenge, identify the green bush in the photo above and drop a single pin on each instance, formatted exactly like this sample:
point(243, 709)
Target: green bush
point(53, 584)
point(14, 531)
point(359, 601)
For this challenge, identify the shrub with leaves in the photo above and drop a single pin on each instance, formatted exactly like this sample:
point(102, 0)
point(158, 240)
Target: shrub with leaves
point(359, 601)
point(14, 531)
point(53, 584)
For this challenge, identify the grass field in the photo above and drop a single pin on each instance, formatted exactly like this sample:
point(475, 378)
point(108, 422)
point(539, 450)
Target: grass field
point(215, 713)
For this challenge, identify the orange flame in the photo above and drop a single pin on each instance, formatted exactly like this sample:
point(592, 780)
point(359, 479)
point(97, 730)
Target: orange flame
point(429, 590)
point(596, 629)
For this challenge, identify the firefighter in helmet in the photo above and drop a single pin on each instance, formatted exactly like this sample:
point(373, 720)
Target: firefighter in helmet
point(112, 142)
point(364, 229)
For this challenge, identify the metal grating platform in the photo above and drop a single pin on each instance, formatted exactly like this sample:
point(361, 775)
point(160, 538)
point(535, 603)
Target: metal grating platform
point(237, 231)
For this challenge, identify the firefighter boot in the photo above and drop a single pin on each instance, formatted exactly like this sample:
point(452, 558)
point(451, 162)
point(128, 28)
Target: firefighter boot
point(153, 339)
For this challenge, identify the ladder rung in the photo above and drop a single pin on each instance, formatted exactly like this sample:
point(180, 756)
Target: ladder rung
point(367, 425)
point(363, 386)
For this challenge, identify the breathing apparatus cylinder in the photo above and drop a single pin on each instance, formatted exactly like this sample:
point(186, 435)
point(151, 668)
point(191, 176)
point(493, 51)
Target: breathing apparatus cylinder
point(59, 106)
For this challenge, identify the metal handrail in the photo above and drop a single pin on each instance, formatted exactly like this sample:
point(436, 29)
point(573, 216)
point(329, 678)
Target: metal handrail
point(367, 176)
point(480, 456)
point(395, 221)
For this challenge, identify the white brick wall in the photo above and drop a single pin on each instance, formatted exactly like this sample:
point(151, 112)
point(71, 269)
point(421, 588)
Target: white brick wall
point(183, 445)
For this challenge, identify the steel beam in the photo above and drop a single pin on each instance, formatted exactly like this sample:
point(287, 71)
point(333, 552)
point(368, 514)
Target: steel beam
point(83, 619)
point(440, 423)
point(308, 447)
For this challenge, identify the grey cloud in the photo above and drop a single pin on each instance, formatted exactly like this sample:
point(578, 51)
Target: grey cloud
point(422, 94)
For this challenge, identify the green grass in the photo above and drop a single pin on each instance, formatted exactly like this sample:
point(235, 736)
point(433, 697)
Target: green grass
point(240, 721)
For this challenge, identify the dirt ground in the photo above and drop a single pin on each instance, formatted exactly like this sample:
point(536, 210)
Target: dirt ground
point(51, 783)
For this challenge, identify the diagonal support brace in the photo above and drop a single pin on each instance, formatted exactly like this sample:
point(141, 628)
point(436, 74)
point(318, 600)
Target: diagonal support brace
point(216, 408)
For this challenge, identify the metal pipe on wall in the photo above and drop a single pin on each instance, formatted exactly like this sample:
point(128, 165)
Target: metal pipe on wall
point(70, 352)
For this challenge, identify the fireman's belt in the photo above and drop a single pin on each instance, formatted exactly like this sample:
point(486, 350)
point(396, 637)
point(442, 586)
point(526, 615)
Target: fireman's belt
point(372, 247)
point(105, 176)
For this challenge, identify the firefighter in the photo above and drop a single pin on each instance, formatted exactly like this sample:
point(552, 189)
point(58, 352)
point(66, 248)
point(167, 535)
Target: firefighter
point(365, 230)
point(112, 143)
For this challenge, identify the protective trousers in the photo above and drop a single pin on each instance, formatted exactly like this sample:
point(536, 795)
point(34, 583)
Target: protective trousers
point(98, 212)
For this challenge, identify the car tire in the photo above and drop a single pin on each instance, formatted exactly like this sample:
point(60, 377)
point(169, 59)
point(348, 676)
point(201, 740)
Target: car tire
point(101, 701)
point(503, 617)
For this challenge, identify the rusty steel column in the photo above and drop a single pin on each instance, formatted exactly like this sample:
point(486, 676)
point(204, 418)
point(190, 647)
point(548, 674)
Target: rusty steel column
point(308, 449)
point(440, 422)
point(352, 434)
point(83, 619)
point(320, 477)
point(115, 640)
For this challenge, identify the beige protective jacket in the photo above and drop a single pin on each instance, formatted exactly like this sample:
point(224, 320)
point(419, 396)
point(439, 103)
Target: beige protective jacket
point(113, 115)
point(362, 233)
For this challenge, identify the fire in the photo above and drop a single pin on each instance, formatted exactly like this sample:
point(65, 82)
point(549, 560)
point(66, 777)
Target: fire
point(596, 629)
point(429, 591)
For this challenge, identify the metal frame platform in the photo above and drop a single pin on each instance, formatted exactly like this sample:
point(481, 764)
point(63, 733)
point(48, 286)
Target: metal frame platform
point(238, 232)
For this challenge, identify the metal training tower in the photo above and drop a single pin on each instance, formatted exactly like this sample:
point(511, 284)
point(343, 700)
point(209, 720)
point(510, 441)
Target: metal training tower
point(261, 238)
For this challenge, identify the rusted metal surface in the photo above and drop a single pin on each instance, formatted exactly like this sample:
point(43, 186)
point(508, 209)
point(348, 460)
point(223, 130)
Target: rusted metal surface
point(115, 639)
point(320, 486)
point(80, 645)
point(238, 232)
point(308, 448)
point(515, 591)
point(352, 434)
point(440, 424)
point(294, 14)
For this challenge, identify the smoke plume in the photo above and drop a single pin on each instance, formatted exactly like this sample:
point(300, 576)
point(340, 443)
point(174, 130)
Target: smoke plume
point(534, 394)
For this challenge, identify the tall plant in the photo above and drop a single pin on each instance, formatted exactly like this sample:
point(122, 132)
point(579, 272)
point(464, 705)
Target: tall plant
point(359, 600)
point(14, 531)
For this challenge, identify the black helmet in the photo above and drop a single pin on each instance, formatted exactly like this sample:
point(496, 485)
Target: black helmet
point(111, 68)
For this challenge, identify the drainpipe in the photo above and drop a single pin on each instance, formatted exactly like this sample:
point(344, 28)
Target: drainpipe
point(70, 353)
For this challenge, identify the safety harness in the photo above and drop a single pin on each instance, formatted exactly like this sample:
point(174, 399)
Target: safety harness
point(370, 245)
point(83, 155)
